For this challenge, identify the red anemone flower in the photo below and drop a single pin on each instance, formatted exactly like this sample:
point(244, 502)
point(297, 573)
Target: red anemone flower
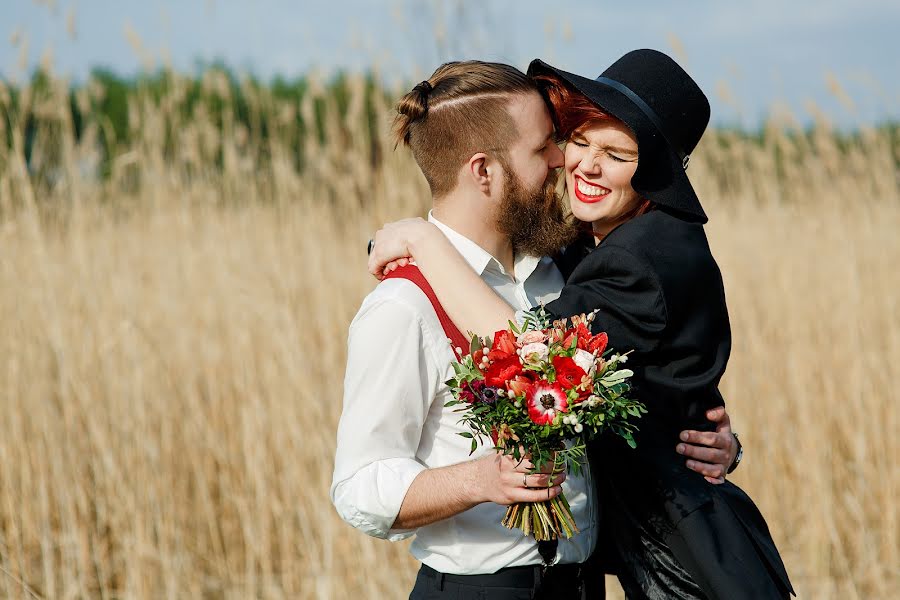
point(544, 401)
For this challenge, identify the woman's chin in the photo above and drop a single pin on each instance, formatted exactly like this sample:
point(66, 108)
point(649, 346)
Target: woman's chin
point(581, 212)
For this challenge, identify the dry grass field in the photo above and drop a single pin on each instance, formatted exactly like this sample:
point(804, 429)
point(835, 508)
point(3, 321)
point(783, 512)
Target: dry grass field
point(172, 344)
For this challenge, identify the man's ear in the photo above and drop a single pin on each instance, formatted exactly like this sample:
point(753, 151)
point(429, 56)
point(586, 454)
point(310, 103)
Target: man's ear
point(479, 173)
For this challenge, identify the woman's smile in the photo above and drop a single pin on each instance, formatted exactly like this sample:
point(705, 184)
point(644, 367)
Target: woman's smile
point(589, 193)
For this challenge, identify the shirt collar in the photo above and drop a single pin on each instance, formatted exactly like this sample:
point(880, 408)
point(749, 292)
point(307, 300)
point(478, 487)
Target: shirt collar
point(479, 258)
point(526, 264)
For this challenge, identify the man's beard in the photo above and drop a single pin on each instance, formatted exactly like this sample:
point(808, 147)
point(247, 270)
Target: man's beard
point(534, 220)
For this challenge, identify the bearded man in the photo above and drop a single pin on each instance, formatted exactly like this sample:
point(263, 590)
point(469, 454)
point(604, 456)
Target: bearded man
point(484, 139)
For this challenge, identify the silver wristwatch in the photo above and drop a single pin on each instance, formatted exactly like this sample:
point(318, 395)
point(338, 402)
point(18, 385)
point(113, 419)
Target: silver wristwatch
point(740, 454)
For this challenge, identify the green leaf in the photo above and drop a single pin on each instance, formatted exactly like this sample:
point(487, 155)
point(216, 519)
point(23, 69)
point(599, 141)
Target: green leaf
point(535, 319)
point(466, 434)
point(616, 377)
point(475, 344)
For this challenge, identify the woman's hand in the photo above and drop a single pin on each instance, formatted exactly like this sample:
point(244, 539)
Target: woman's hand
point(468, 300)
point(392, 266)
point(392, 244)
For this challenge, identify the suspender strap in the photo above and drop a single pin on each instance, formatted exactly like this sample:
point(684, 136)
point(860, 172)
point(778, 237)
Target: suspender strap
point(412, 273)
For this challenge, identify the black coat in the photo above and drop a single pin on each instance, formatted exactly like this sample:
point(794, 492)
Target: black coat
point(659, 293)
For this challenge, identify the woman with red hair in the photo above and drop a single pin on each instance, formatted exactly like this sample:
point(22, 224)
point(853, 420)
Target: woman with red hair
point(647, 271)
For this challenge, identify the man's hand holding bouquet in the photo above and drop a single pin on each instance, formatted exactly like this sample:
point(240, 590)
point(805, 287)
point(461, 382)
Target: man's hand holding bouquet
point(540, 392)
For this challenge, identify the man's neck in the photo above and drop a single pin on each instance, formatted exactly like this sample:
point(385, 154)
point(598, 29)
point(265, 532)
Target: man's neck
point(468, 219)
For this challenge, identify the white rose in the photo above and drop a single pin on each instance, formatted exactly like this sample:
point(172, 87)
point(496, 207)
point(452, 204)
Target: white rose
point(535, 353)
point(584, 359)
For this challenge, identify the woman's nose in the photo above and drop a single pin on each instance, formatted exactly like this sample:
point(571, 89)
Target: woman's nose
point(590, 164)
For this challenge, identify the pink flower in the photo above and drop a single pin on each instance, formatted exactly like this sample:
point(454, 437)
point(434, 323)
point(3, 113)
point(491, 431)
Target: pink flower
point(530, 337)
point(544, 401)
point(534, 353)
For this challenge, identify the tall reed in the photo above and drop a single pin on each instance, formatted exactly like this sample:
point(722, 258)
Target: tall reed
point(175, 304)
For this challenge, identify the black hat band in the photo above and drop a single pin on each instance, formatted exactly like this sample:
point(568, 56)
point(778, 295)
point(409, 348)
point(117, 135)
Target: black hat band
point(648, 112)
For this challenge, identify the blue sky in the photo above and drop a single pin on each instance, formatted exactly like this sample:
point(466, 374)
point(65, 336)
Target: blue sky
point(748, 56)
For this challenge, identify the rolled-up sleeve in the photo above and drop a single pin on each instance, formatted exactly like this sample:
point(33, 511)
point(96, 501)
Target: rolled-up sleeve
point(388, 390)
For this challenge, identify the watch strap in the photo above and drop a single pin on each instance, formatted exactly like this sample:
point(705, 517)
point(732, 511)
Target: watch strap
point(739, 456)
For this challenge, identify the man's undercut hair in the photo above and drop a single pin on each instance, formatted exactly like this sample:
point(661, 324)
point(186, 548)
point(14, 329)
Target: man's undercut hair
point(460, 110)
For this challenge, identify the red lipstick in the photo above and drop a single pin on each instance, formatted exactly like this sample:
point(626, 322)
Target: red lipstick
point(589, 199)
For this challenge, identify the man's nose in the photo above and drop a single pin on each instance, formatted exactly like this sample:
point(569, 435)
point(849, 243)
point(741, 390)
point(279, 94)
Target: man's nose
point(557, 158)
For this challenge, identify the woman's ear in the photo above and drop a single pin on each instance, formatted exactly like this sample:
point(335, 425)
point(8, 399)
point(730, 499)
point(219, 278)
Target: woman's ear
point(479, 173)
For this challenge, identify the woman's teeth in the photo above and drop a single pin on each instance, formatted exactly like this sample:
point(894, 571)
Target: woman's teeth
point(591, 190)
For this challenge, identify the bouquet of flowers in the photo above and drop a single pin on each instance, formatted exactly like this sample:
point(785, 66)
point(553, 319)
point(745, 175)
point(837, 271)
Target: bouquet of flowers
point(542, 391)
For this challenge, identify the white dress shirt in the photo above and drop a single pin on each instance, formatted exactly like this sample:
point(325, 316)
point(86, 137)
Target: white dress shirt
point(394, 424)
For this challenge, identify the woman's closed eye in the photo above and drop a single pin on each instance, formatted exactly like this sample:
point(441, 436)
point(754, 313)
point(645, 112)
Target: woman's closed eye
point(615, 157)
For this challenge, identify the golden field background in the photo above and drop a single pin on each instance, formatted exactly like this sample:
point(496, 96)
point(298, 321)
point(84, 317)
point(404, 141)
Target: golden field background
point(172, 344)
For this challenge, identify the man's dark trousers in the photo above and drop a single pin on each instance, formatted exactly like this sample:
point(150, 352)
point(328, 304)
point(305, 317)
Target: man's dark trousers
point(564, 582)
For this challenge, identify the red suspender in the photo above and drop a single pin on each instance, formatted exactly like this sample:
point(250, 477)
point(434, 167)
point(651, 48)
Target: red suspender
point(412, 273)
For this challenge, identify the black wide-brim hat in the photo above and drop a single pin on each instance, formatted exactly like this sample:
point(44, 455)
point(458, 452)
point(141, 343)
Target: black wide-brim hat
point(667, 112)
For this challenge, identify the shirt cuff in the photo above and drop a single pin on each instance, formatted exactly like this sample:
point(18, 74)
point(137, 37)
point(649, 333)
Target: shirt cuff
point(370, 500)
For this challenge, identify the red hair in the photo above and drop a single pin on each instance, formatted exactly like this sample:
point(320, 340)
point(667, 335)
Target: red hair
point(571, 110)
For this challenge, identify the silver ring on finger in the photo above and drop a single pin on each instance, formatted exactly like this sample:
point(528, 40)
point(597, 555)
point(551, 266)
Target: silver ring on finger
point(548, 493)
point(525, 480)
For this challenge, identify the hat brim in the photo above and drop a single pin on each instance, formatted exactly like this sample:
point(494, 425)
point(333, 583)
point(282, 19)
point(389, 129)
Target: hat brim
point(662, 178)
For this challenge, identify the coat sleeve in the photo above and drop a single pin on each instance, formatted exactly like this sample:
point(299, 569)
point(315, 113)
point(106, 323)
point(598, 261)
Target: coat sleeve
point(626, 294)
